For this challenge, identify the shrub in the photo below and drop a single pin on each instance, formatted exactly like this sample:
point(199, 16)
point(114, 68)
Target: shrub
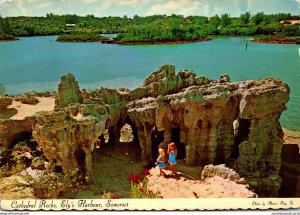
point(51, 185)
point(138, 187)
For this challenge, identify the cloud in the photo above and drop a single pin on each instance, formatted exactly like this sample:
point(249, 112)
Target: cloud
point(183, 7)
point(89, 1)
point(145, 7)
point(4, 1)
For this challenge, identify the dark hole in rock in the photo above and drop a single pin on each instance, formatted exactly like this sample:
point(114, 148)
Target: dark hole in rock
point(23, 136)
point(241, 131)
point(175, 137)
point(80, 157)
point(58, 169)
point(157, 137)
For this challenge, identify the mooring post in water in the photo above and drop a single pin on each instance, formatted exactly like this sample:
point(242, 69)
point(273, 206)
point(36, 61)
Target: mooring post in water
point(246, 45)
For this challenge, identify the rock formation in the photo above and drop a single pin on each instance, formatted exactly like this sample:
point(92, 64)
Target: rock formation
point(68, 92)
point(212, 122)
point(205, 112)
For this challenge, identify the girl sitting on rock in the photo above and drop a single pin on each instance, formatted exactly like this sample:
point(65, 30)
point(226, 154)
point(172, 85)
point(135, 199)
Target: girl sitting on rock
point(161, 161)
point(172, 151)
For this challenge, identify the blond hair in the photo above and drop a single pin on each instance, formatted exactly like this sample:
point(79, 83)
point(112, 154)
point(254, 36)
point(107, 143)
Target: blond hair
point(161, 151)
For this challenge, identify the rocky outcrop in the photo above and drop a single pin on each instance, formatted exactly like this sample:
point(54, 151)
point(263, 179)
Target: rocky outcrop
point(212, 122)
point(12, 130)
point(221, 170)
point(5, 112)
point(205, 113)
point(68, 92)
point(68, 139)
point(68, 135)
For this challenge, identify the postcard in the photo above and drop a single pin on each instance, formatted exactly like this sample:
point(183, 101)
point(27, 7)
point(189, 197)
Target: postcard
point(149, 105)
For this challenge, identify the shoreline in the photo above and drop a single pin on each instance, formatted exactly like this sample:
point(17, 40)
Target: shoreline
point(161, 42)
point(9, 40)
point(285, 41)
point(79, 41)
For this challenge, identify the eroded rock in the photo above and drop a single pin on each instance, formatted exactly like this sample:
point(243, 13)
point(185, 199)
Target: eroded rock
point(68, 92)
point(215, 122)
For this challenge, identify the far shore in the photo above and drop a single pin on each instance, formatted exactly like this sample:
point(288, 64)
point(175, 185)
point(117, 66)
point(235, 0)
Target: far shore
point(284, 41)
point(79, 41)
point(9, 40)
point(162, 42)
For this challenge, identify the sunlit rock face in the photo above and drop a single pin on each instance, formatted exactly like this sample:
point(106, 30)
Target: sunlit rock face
point(217, 121)
point(211, 122)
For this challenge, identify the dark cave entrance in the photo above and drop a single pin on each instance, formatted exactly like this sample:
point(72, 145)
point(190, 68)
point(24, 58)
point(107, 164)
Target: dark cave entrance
point(175, 137)
point(241, 133)
point(157, 137)
point(80, 158)
point(25, 137)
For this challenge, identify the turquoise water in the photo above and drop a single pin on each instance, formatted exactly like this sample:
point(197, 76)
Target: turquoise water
point(36, 63)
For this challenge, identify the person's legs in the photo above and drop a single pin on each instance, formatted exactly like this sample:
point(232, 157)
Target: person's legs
point(160, 172)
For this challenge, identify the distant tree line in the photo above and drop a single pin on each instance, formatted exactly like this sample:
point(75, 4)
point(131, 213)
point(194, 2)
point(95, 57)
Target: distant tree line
point(152, 28)
point(5, 29)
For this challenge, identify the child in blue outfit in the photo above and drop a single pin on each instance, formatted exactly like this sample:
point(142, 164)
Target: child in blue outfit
point(161, 161)
point(172, 151)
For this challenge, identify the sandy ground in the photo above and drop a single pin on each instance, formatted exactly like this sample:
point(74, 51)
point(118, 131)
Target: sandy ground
point(185, 186)
point(25, 110)
point(111, 169)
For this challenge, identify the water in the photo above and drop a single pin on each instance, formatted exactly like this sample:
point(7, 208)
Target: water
point(36, 63)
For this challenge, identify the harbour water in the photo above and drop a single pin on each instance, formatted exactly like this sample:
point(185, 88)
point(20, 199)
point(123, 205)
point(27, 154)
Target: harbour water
point(36, 63)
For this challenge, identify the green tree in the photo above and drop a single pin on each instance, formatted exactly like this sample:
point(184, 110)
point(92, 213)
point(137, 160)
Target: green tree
point(258, 18)
point(245, 17)
point(225, 20)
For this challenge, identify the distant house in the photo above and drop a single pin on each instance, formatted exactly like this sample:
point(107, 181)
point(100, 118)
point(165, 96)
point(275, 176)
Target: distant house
point(188, 21)
point(71, 26)
point(290, 22)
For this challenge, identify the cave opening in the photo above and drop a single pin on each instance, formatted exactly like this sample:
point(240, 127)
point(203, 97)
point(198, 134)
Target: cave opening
point(157, 137)
point(126, 134)
point(26, 137)
point(175, 137)
point(130, 132)
point(80, 158)
point(58, 169)
point(241, 133)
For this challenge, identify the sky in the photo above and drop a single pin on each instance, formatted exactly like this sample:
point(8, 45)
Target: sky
point(100, 8)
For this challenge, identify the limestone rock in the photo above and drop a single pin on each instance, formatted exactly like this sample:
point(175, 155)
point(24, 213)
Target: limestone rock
point(66, 139)
point(38, 163)
point(219, 170)
point(205, 113)
point(68, 92)
point(5, 112)
point(11, 129)
point(9, 188)
point(211, 122)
